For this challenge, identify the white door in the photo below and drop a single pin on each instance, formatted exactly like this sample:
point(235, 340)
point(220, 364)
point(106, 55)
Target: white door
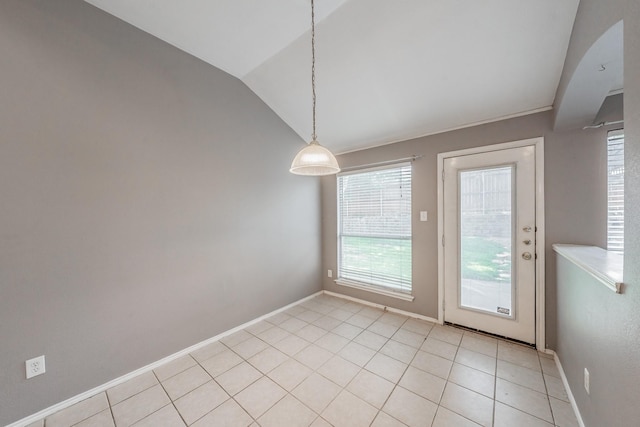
point(489, 242)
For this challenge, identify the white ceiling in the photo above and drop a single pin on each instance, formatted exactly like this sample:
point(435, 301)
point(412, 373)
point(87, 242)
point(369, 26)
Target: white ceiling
point(386, 71)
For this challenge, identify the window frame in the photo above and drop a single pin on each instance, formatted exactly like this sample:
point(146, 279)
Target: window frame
point(382, 289)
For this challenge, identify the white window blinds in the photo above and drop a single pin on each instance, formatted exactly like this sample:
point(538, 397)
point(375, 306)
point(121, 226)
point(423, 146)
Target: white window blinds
point(615, 187)
point(374, 227)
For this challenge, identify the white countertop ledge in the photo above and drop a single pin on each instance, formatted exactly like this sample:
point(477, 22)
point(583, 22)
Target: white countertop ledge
point(605, 266)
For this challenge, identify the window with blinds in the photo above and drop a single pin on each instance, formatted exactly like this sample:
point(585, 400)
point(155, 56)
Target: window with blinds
point(615, 188)
point(374, 227)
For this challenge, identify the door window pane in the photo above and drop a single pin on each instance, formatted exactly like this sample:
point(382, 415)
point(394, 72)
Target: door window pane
point(486, 228)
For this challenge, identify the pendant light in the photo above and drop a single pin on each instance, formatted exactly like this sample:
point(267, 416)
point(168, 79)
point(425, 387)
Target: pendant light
point(314, 159)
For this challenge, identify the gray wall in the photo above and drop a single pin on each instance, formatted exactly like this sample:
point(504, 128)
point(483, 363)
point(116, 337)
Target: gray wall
point(145, 202)
point(598, 329)
point(575, 200)
point(593, 18)
point(588, 340)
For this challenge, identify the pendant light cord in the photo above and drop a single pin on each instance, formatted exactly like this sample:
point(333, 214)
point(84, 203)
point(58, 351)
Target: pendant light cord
point(314, 159)
point(313, 69)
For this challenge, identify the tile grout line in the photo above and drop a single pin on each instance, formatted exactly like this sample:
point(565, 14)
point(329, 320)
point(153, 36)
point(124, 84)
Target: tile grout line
point(495, 386)
point(86, 418)
point(110, 408)
point(246, 360)
point(289, 356)
point(446, 381)
point(335, 354)
point(408, 365)
point(396, 385)
point(170, 399)
point(124, 400)
point(453, 362)
point(212, 379)
point(220, 385)
point(361, 367)
point(319, 414)
point(530, 389)
point(553, 416)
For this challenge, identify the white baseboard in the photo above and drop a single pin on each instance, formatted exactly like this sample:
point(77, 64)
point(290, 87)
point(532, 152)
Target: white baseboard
point(384, 307)
point(565, 382)
point(87, 394)
point(547, 351)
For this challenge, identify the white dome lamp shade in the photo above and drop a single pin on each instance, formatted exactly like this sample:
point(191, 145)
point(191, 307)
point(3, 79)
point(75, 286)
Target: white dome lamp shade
point(314, 159)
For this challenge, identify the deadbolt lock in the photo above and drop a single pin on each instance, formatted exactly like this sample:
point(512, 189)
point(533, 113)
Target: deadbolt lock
point(526, 242)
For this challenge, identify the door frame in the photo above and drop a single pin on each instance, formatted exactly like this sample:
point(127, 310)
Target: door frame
point(538, 144)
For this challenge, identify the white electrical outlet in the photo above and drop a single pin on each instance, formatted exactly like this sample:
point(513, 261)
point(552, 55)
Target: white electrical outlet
point(329, 273)
point(586, 380)
point(35, 367)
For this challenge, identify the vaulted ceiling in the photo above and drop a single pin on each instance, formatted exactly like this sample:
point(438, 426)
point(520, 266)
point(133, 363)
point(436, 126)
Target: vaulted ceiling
point(386, 71)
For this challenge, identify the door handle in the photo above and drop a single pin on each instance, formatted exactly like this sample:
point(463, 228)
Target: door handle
point(526, 242)
point(526, 256)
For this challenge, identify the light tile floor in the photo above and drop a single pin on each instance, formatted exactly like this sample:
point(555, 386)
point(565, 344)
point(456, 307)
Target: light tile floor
point(332, 362)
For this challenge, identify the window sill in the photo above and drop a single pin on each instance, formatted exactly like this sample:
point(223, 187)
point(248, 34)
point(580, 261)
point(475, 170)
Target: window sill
point(374, 289)
point(603, 265)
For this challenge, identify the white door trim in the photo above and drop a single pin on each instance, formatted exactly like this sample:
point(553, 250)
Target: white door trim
point(538, 143)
